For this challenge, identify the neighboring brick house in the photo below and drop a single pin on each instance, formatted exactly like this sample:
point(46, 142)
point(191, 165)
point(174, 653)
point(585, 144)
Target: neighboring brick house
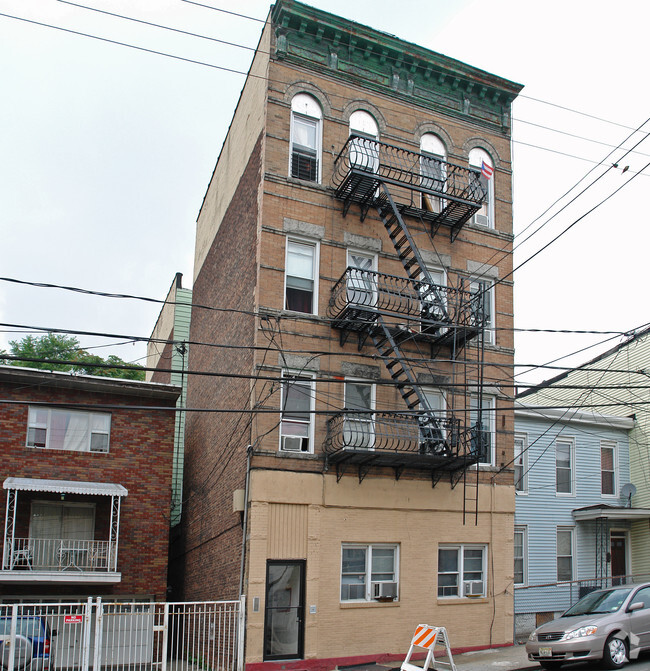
point(346, 326)
point(86, 485)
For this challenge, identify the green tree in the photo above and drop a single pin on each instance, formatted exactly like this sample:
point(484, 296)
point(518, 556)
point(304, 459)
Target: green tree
point(56, 347)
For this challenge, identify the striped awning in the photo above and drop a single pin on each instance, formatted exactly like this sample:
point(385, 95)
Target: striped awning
point(65, 486)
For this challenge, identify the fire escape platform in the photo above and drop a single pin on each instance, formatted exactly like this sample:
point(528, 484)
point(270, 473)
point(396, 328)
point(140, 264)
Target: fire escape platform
point(363, 165)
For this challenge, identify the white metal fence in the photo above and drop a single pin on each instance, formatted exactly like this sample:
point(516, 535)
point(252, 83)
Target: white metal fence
point(115, 636)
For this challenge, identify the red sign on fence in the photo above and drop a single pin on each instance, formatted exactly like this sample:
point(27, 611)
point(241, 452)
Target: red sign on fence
point(73, 619)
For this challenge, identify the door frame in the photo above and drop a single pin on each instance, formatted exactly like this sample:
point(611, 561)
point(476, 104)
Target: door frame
point(302, 564)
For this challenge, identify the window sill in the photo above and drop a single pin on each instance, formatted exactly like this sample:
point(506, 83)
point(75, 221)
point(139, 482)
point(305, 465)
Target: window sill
point(457, 601)
point(368, 604)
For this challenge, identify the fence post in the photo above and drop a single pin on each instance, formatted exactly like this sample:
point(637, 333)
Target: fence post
point(241, 630)
point(99, 620)
point(165, 632)
point(12, 636)
point(85, 649)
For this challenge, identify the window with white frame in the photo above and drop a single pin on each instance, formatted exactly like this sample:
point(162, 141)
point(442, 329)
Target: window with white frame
point(433, 170)
point(301, 286)
point(521, 462)
point(364, 150)
point(362, 279)
point(462, 571)
point(564, 553)
point(434, 299)
point(359, 402)
point(369, 571)
point(296, 425)
point(520, 555)
point(564, 471)
point(480, 160)
point(433, 435)
point(483, 305)
point(306, 131)
point(608, 467)
point(61, 429)
point(483, 421)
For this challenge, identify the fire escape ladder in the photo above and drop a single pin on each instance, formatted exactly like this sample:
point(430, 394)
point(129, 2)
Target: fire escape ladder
point(431, 434)
point(409, 254)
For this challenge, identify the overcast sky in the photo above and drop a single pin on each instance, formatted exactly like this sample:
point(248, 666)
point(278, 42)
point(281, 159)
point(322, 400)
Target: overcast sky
point(106, 152)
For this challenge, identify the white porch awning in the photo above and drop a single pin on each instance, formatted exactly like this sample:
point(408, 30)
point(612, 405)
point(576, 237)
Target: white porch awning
point(65, 486)
point(597, 512)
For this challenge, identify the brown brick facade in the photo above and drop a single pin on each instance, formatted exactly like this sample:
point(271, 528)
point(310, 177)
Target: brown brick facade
point(139, 459)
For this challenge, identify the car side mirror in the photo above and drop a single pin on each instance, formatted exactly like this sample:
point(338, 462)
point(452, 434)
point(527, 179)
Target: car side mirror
point(637, 605)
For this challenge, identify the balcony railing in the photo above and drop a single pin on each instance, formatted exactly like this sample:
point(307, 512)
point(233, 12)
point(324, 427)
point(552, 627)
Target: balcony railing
point(397, 439)
point(432, 309)
point(363, 164)
point(62, 554)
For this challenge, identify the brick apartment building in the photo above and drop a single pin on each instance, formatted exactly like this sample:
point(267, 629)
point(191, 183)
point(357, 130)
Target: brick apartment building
point(86, 486)
point(347, 251)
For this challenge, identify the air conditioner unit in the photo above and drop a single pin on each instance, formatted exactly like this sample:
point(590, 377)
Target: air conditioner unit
point(292, 444)
point(384, 590)
point(481, 220)
point(473, 588)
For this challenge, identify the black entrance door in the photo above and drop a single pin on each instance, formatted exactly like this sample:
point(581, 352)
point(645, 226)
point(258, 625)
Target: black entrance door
point(619, 563)
point(285, 610)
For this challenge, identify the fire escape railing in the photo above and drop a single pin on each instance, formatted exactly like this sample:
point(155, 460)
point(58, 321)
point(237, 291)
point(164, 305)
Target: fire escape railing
point(359, 295)
point(393, 433)
point(363, 164)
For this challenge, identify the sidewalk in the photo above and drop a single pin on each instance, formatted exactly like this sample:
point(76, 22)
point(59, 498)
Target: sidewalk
point(511, 658)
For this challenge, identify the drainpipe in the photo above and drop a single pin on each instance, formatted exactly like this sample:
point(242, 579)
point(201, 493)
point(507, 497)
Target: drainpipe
point(249, 452)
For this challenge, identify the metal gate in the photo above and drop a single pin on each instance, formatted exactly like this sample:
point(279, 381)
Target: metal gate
point(116, 635)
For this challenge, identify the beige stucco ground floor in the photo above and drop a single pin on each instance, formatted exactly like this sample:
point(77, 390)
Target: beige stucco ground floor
point(346, 570)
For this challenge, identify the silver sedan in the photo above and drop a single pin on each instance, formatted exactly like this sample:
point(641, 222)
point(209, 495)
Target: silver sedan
point(612, 625)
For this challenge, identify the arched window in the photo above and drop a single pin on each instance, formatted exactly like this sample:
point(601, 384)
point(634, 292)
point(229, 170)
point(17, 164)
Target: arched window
point(364, 151)
point(306, 131)
point(481, 160)
point(433, 170)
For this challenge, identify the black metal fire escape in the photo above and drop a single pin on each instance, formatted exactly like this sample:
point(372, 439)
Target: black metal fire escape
point(390, 180)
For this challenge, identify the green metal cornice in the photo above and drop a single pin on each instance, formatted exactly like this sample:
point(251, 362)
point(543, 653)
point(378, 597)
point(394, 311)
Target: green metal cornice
point(383, 63)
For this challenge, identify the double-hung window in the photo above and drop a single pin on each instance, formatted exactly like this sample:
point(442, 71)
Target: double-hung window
point(364, 150)
point(301, 293)
point(433, 298)
point(483, 307)
point(362, 279)
point(433, 171)
point(520, 555)
point(359, 430)
point(564, 469)
point(521, 462)
point(480, 160)
point(369, 571)
point(306, 118)
point(61, 429)
point(462, 571)
point(432, 433)
point(564, 553)
point(296, 425)
point(608, 467)
point(482, 421)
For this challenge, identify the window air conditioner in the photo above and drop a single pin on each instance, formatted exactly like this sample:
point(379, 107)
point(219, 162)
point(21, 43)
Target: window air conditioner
point(292, 444)
point(473, 588)
point(384, 590)
point(481, 220)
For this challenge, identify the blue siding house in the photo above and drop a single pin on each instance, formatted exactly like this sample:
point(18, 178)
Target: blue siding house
point(573, 509)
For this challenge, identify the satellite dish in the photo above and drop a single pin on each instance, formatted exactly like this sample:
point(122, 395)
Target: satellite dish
point(628, 491)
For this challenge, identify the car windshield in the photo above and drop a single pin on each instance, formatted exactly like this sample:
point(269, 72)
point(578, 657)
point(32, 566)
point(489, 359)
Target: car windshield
point(603, 601)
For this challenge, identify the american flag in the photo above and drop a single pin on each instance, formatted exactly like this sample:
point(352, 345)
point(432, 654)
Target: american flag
point(486, 170)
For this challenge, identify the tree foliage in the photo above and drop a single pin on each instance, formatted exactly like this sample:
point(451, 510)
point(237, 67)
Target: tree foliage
point(57, 347)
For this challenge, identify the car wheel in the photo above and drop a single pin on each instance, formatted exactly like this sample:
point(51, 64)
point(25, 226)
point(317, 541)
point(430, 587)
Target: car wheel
point(22, 655)
point(615, 653)
point(551, 665)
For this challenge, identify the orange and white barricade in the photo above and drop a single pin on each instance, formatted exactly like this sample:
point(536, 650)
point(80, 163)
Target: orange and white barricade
point(428, 637)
